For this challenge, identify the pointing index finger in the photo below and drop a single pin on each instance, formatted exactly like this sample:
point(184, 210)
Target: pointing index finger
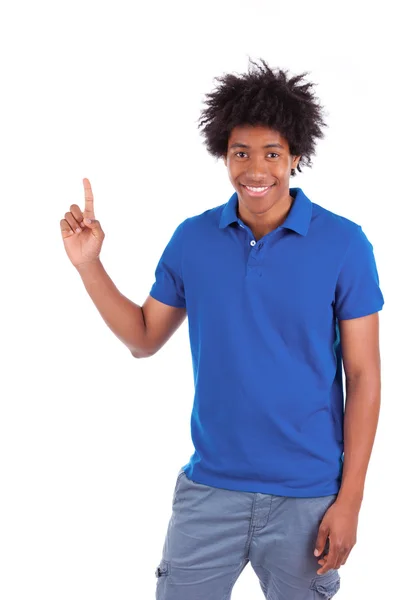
point(89, 204)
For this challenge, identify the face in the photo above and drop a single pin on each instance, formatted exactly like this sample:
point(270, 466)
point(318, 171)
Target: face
point(257, 158)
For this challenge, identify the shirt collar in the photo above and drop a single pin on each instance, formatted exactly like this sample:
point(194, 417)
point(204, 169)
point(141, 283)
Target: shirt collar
point(298, 219)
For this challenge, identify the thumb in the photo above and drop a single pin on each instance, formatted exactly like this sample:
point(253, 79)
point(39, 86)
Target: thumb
point(94, 225)
point(321, 540)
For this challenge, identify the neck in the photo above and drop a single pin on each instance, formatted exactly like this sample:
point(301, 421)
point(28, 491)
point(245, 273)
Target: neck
point(268, 221)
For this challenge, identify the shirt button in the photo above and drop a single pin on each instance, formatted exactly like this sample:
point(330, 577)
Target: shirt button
point(252, 243)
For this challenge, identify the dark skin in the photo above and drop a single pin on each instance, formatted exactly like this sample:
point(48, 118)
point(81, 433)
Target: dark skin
point(361, 361)
point(250, 163)
point(144, 330)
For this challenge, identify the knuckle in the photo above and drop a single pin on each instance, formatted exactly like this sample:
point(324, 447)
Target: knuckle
point(323, 528)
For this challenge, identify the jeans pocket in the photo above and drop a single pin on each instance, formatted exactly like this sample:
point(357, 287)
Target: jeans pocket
point(162, 569)
point(180, 475)
point(326, 585)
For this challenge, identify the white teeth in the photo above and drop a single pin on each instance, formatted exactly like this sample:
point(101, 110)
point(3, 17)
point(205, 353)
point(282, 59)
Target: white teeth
point(256, 189)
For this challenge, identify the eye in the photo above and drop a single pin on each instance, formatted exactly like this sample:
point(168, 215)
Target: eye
point(273, 153)
point(236, 153)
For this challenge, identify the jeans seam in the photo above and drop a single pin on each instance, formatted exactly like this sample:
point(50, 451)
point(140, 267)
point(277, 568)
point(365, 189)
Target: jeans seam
point(261, 527)
point(269, 512)
point(237, 573)
point(251, 530)
point(176, 488)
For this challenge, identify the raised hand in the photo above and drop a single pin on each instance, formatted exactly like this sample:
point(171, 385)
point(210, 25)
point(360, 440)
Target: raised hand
point(82, 234)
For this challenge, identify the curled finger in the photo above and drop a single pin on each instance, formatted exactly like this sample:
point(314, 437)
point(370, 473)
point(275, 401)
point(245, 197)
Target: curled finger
point(77, 214)
point(66, 230)
point(69, 217)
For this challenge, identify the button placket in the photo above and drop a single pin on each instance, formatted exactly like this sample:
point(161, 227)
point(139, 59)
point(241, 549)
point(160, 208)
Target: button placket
point(253, 265)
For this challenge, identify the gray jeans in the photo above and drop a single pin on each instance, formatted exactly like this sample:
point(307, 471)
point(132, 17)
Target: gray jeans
point(213, 533)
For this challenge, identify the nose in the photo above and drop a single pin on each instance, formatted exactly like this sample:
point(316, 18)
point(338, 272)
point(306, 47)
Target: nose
point(258, 171)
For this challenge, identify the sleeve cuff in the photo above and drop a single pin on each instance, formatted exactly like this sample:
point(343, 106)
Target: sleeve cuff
point(347, 315)
point(165, 298)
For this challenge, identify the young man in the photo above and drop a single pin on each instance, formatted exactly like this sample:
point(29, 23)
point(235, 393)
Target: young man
point(279, 293)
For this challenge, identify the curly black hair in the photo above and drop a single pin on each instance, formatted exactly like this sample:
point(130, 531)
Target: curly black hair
point(268, 98)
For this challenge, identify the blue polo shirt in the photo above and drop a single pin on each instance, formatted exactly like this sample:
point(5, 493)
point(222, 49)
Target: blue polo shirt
point(263, 324)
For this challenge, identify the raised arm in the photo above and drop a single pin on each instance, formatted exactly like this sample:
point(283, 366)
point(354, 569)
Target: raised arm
point(144, 330)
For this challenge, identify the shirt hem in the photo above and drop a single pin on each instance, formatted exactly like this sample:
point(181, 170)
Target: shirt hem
point(198, 476)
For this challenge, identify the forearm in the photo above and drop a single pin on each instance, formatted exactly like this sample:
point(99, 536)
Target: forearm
point(360, 424)
point(123, 317)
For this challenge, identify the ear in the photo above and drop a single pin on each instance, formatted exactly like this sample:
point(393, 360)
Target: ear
point(295, 161)
point(224, 158)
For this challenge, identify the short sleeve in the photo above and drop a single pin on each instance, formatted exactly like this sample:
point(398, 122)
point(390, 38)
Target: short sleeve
point(168, 286)
point(357, 291)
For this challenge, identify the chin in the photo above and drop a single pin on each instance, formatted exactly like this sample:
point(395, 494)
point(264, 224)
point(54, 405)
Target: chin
point(257, 207)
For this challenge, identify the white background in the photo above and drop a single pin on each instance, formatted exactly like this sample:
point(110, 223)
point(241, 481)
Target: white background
point(91, 440)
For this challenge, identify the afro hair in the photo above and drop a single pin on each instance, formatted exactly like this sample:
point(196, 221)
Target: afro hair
point(266, 97)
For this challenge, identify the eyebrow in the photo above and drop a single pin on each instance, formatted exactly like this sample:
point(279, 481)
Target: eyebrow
point(240, 145)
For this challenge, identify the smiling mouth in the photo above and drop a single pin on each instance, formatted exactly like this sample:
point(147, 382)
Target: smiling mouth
point(257, 190)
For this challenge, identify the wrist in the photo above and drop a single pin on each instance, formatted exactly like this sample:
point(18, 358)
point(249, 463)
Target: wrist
point(351, 499)
point(88, 267)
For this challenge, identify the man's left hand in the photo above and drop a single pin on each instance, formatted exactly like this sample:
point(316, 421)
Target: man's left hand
point(340, 526)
